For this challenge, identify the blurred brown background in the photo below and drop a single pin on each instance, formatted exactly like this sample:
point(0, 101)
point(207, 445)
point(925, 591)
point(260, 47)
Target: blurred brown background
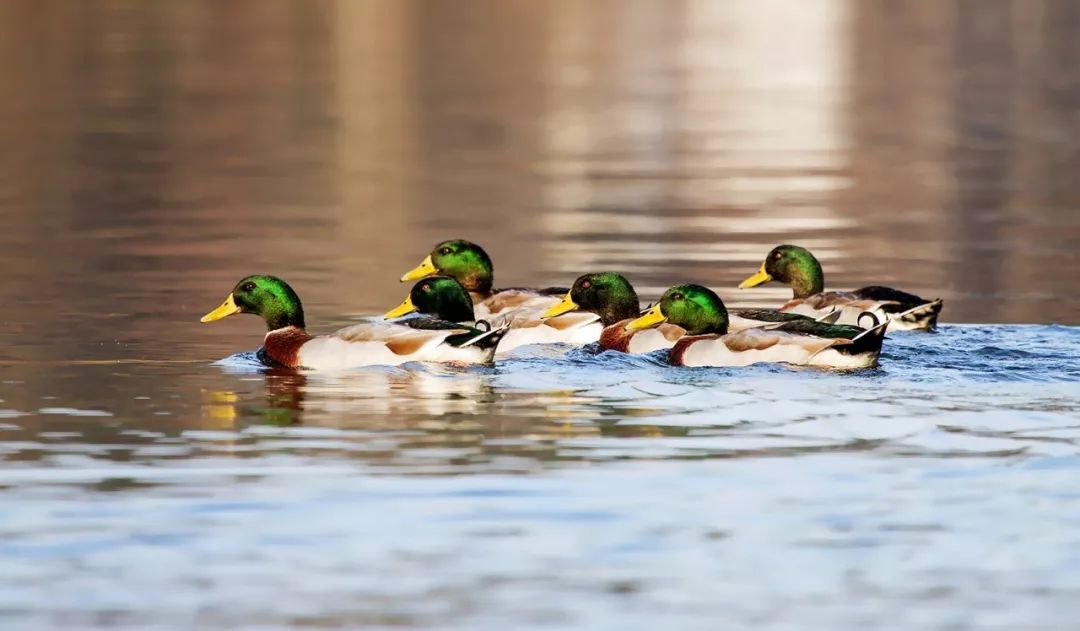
point(155, 152)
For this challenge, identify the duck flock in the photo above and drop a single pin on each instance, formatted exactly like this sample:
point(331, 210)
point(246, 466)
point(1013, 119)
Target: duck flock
point(453, 315)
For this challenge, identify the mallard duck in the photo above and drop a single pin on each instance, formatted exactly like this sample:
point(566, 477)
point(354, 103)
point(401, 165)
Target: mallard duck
point(801, 342)
point(441, 297)
point(471, 266)
point(519, 307)
point(287, 342)
point(800, 270)
point(612, 297)
point(444, 298)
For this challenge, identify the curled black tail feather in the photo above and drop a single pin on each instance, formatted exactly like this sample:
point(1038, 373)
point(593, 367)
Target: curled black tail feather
point(874, 319)
point(486, 340)
point(871, 338)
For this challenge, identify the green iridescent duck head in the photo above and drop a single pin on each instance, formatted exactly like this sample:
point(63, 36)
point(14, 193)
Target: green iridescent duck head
point(462, 260)
point(441, 297)
point(268, 297)
point(693, 307)
point(792, 265)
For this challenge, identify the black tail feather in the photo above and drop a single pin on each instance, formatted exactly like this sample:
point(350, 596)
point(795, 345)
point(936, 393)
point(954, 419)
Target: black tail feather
point(871, 339)
point(482, 336)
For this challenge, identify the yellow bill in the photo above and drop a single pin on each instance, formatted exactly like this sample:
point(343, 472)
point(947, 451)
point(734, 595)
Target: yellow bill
point(423, 270)
point(566, 305)
point(404, 308)
point(226, 309)
point(651, 318)
point(760, 278)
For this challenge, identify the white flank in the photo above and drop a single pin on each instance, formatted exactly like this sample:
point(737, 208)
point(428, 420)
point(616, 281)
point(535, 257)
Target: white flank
point(790, 348)
point(543, 334)
point(526, 327)
point(366, 345)
point(648, 341)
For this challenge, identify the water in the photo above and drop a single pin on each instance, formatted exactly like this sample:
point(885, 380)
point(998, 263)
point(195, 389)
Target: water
point(153, 476)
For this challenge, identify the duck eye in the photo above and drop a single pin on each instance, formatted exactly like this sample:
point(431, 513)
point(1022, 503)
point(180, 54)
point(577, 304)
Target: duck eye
point(586, 285)
point(444, 251)
point(676, 296)
point(426, 288)
point(248, 287)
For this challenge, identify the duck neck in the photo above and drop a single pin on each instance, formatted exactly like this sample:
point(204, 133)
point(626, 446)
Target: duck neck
point(457, 312)
point(283, 315)
point(622, 307)
point(706, 319)
point(477, 280)
point(717, 324)
point(806, 277)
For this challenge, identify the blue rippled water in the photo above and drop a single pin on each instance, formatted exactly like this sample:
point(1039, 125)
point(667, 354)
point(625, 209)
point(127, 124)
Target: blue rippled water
point(560, 488)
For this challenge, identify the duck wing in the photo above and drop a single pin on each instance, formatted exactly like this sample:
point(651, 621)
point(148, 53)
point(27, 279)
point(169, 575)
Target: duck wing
point(903, 299)
point(801, 343)
point(526, 327)
point(829, 300)
point(817, 328)
point(750, 346)
point(512, 299)
point(389, 343)
point(739, 319)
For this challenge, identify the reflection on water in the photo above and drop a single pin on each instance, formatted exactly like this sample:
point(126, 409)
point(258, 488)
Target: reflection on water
point(928, 146)
point(160, 151)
